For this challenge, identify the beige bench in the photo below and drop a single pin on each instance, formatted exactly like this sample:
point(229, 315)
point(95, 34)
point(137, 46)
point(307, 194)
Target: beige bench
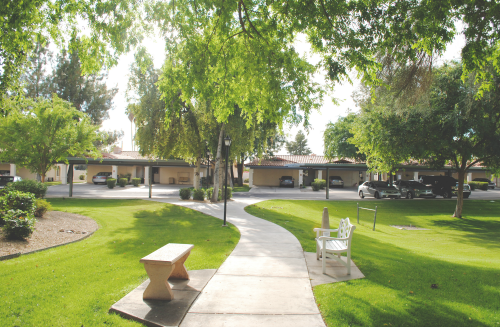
point(164, 264)
point(183, 180)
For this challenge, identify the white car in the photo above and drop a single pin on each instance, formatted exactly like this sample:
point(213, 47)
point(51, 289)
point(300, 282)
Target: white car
point(378, 190)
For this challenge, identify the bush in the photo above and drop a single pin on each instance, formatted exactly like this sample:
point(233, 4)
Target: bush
point(122, 182)
point(478, 185)
point(246, 180)
point(126, 176)
point(316, 186)
point(210, 191)
point(15, 200)
point(81, 177)
point(199, 194)
point(185, 193)
point(28, 186)
point(111, 182)
point(229, 192)
point(41, 207)
point(136, 181)
point(18, 224)
point(322, 183)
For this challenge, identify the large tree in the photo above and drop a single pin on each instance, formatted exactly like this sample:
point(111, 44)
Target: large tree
point(299, 146)
point(336, 139)
point(38, 133)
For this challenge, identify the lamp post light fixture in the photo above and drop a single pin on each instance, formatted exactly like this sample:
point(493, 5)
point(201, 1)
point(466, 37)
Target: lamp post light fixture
point(227, 142)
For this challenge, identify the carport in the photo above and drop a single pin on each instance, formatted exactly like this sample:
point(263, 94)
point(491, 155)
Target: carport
point(146, 163)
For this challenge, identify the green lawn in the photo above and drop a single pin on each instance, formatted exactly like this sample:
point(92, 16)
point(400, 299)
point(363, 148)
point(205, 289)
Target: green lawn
point(76, 284)
point(462, 256)
point(244, 188)
point(52, 183)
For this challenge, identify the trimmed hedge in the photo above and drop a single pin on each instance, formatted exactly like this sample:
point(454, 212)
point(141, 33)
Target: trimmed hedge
point(16, 200)
point(210, 191)
point(316, 186)
point(321, 182)
point(136, 181)
point(81, 177)
point(123, 182)
point(18, 224)
point(111, 182)
point(199, 194)
point(185, 193)
point(478, 185)
point(41, 207)
point(27, 186)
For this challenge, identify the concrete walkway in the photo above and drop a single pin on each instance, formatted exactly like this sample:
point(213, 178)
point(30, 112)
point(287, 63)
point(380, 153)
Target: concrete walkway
point(264, 282)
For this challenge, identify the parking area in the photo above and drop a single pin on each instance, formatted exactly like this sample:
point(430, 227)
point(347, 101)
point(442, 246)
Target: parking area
point(262, 192)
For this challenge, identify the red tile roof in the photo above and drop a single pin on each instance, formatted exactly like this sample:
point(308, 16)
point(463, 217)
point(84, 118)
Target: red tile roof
point(284, 160)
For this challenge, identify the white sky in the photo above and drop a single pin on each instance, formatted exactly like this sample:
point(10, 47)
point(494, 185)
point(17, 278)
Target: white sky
point(118, 76)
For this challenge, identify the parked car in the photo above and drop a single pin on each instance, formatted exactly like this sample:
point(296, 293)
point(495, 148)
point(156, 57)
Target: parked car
point(378, 189)
point(490, 183)
point(413, 189)
point(336, 181)
point(101, 177)
point(286, 181)
point(446, 186)
point(8, 179)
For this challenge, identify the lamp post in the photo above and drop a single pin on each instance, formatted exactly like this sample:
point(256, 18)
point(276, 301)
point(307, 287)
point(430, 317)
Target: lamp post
point(227, 142)
point(208, 168)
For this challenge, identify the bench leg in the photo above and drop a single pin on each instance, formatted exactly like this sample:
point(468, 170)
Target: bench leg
point(349, 262)
point(323, 259)
point(158, 288)
point(180, 271)
point(317, 251)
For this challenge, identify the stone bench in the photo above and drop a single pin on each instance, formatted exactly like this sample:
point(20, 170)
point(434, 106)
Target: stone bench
point(164, 264)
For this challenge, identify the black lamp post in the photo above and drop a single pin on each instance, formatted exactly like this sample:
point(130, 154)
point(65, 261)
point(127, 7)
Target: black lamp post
point(208, 167)
point(227, 142)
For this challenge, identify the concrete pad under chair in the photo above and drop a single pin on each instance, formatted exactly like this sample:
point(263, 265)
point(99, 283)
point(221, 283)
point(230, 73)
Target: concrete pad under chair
point(264, 250)
point(335, 271)
point(159, 313)
point(231, 294)
point(264, 266)
point(240, 320)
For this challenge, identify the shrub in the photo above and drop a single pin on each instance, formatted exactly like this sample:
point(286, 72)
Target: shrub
point(122, 182)
point(111, 182)
point(136, 181)
point(322, 183)
point(126, 176)
point(185, 193)
point(246, 180)
point(229, 192)
point(28, 186)
point(41, 207)
point(316, 186)
point(199, 194)
point(210, 192)
point(18, 224)
point(478, 185)
point(81, 177)
point(15, 200)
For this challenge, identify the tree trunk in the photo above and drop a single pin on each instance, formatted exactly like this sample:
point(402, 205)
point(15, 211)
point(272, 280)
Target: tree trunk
point(215, 194)
point(230, 174)
point(239, 166)
point(460, 194)
point(196, 182)
point(221, 173)
point(231, 166)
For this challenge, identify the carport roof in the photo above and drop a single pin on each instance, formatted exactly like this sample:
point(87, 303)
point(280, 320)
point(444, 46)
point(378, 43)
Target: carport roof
point(129, 158)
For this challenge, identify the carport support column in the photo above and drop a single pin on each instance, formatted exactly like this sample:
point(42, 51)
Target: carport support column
point(146, 176)
point(368, 176)
point(70, 180)
point(114, 172)
point(64, 174)
point(415, 175)
point(469, 177)
point(320, 174)
point(327, 183)
point(12, 170)
point(301, 178)
point(151, 181)
point(250, 178)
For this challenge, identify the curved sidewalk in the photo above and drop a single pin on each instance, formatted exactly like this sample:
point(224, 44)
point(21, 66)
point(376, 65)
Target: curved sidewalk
point(264, 282)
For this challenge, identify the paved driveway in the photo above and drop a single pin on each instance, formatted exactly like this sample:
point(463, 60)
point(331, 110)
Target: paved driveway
point(265, 193)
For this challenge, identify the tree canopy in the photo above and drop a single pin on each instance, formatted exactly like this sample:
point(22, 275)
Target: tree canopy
point(299, 146)
point(336, 139)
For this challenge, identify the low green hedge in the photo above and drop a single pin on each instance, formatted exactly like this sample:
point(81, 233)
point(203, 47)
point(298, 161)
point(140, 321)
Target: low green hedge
point(136, 181)
point(478, 185)
point(185, 193)
point(42, 206)
point(199, 194)
point(316, 186)
point(27, 186)
point(123, 182)
point(111, 182)
point(321, 183)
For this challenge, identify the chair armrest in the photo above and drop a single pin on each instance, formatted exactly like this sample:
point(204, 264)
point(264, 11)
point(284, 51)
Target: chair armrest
point(319, 230)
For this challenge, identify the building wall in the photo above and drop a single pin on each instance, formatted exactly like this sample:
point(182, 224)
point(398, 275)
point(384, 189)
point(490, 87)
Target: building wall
point(94, 169)
point(270, 177)
point(123, 170)
point(167, 172)
point(24, 173)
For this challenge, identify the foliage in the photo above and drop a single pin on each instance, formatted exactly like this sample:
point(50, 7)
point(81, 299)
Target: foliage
point(107, 140)
point(478, 185)
point(322, 183)
point(336, 140)
point(243, 188)
point(81, 177)
point(122, 182)
point(28, 186)
point(41, 207)
point(17, 200)
point(18, 224)
point(246, 180)
point(398, 268)
point(126, 176)
point(111, 182)
point(36, 133)
point(185, 193)
point(136, 181)
point(229, 192)
point(199, 194)
point(210, 192)
point(299, 146)
point(316, 185)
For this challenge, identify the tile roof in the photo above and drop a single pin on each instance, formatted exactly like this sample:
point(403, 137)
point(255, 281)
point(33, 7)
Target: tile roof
point(285, 160)
point(124, 155)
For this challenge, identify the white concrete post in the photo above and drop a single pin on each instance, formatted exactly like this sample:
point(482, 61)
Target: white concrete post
point(114, 172)
point(250, 178)
point(320, 174)
point(64, 174)
point(12, 170)
point(469, 177)
point(368, 176)
point(134, 173)
point(415, 175)
point(301, 177)
point(146, 176)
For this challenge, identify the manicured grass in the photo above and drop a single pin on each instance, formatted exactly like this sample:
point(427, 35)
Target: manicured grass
point(52, 183)
point(76, 284)
point(462, 256)
point(244, 188)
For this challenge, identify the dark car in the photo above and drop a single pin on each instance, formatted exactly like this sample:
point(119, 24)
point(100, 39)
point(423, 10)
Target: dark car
point(485, 180)
point(101, 177)
point(414, 189)
point(336, 181)
point(286, 181)
point(446, 186)
point(378, 189)
point(4, 180)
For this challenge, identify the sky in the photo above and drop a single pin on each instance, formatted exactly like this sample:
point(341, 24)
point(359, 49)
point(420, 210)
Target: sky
point(118, 77)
